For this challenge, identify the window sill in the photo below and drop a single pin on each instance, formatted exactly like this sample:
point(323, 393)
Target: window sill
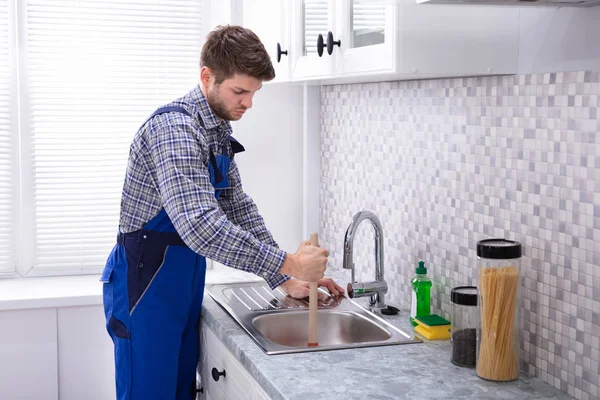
point(219, 273)
point(49, 292)
point(82, 290)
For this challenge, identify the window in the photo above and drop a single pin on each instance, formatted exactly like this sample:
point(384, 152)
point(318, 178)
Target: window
point(89, 73)
point(7, 140)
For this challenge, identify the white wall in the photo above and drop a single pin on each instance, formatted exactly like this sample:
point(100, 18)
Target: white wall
point(311, 159)
point(222, 12)
point(559, 39)
point(271, 166)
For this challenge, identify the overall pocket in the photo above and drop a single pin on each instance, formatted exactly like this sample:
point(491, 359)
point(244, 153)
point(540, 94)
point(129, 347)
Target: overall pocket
point(151, 259)
point(114, 326)
point(169, 294)
point(118, 328)
point(107, 290)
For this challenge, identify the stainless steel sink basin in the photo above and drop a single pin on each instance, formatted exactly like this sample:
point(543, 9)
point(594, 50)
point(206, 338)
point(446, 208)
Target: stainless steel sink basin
point(279, 323)
point(333, 327)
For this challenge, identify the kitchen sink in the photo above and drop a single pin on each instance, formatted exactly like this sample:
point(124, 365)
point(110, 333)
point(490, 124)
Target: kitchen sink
point(333, 327)
point(279, 323)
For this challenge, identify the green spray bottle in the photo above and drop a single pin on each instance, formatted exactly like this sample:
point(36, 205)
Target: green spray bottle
point(420, 304)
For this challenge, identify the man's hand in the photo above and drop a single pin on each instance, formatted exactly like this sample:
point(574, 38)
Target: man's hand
point(299, 289)
point(307, 264)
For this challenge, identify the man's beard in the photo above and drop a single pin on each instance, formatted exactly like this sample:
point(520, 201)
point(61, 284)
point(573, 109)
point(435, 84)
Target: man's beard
point(218, 106)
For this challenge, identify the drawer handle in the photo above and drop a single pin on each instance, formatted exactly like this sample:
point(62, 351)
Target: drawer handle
point(216, 374)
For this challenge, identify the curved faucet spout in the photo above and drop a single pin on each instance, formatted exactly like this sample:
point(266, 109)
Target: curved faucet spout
point(375, 289)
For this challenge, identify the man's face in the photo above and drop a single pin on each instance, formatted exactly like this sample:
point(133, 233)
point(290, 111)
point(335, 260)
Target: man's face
point(231, 98)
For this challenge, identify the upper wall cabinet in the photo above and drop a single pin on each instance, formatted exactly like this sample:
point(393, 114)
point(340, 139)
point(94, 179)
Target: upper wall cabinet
point(363, 40)
point(311, 19)
point(270, 20)
point(366, 32)
point(447, 40)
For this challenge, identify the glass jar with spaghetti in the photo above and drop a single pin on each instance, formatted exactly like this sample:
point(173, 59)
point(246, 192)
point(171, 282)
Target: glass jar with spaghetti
point(499, 263)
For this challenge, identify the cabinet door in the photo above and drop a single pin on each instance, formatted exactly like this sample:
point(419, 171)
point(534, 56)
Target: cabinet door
point(259, 394)
point(309, 19)
point(28, 355)
point(236, 383)
point(367, 34)
point(446, 40)
point(270, 20)
point(85, 354)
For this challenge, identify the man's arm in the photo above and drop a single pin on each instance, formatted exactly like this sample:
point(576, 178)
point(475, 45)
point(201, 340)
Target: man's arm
point(242, 211)
point(188, 198)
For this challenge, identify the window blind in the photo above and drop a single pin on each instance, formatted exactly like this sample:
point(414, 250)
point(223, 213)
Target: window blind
point(95, 71)
point(7, 134)
point(315, 23)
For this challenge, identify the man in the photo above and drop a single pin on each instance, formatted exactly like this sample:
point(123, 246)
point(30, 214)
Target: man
point(183, 201)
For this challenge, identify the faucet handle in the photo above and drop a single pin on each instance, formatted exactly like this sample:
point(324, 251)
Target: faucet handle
point(356, 289)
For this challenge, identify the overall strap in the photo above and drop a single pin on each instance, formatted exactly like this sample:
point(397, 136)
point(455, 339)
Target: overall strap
point(236, 146)
point(168, 109)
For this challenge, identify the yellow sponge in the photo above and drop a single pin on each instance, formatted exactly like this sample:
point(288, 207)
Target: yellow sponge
point(433, 327)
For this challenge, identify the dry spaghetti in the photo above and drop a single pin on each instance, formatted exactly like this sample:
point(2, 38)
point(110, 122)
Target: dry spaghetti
point(498, 355)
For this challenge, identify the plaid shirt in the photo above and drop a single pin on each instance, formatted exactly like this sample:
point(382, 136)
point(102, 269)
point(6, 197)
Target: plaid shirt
point(168, 168)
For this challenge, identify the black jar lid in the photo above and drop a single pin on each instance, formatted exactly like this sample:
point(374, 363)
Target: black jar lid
point(498, 249)
point(464, 295)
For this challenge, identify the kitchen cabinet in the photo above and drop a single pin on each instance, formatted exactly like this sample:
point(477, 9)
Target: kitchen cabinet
point(454, 41)
point(309, 18)
point(270, 20)
point(56, 354)
point(367, 33)
point(388, 39)
point(404, 40)
point(85, 354)
point(232, 381)
point(28, 351)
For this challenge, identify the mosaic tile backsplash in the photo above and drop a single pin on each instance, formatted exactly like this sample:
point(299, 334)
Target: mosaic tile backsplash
point(445, 163)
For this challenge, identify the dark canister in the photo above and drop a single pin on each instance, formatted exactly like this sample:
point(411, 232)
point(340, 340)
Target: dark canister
point(465, 320)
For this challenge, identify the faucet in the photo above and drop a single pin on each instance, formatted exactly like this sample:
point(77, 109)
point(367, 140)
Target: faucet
point(378, 288)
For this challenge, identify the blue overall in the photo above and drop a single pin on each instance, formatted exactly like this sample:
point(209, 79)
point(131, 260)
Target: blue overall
point(152, 293)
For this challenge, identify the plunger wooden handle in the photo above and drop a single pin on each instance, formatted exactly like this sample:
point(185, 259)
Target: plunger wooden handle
point(312, 302)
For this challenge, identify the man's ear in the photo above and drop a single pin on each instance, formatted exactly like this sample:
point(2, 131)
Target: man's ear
point(205, 75)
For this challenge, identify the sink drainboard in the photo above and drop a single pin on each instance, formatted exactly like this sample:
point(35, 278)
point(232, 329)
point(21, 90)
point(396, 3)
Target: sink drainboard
point(260, 298)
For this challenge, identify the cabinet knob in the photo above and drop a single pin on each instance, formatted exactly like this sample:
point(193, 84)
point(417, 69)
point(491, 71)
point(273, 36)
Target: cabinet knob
point(331, 43)
point(320, 45)
point(216, 374)
point(280, 52)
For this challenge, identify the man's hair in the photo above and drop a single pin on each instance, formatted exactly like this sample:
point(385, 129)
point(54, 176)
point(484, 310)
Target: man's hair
point(231, 50)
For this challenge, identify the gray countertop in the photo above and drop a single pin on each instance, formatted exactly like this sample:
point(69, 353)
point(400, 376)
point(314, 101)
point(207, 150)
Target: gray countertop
point(410, 371)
